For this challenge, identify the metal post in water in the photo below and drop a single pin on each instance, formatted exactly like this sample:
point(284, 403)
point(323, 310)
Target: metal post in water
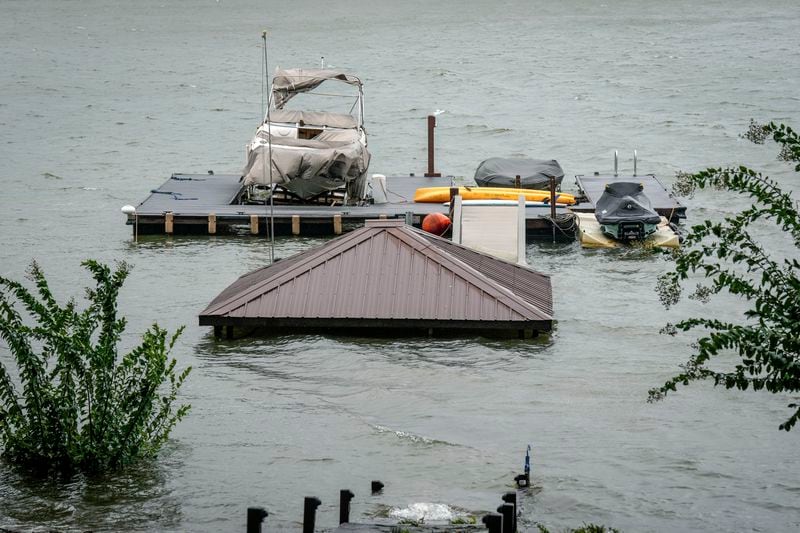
point(269, 151)
point(431, 125)
point(634, 162)
point(310, 513)
point(344, 505)
point(553, 205)
point(507, 510)
point(493, 522)
point(255, 515)
point(616, 163)
point(511, 498)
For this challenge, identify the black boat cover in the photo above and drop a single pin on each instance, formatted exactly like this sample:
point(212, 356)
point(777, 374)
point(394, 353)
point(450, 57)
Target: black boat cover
point(533, 173)
point(624, 201)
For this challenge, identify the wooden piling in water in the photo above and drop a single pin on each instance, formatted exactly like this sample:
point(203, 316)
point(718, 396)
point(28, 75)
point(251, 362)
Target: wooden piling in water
point(337, 224)
point(168, 223)
point(254, 224)
point(212, 223)
point(295, 224)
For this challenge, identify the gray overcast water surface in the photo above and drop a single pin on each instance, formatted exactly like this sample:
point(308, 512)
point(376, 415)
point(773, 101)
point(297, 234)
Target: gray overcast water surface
point(101, 101)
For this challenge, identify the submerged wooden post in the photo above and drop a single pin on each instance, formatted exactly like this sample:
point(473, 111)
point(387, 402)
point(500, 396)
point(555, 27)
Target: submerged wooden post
point(310, 505)
point(517, 182)
point(255, 515)
point(254, 224)
point(295, 224)
point(337, 224)
point(168, 222)
point(431, 125)
point(212, 223)
point(344, 505)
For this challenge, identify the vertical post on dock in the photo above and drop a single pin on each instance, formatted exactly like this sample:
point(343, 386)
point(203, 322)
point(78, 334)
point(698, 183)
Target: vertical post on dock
point(337, 224)
point(431, 125)
point(453, 193)
point(212, 223)
point(507, 510)
point(310, 513)
point(295, 224)
point(254, 224)
point(409, 218)
point(511, 498)
point(344, 505)
point(521, 237)
point(553, 205)
point(255, 515)
point(517, 182)
point(168, 223)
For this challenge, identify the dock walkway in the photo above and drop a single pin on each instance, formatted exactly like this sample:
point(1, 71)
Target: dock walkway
point(208, 204)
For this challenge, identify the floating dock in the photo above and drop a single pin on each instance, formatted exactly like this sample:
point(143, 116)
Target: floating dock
point(663, 201)
point(208, 204)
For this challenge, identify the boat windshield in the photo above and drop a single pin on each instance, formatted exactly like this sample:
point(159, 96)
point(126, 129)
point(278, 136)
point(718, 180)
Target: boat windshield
point(317, 90)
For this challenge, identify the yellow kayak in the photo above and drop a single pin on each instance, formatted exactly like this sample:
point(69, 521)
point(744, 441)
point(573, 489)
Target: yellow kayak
point(439, 195)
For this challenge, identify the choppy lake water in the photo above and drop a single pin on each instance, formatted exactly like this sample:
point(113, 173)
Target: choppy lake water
point(101, 101)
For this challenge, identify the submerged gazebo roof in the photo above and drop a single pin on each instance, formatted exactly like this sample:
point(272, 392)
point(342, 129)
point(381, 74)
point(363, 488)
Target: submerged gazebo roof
point(387, 275)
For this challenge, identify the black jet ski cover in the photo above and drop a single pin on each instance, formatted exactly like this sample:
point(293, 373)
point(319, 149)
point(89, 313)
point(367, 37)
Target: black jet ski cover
point(533, 173)
point(624, 201)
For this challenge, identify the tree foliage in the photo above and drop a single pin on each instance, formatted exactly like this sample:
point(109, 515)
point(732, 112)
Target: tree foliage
point(731, 260)
point(80, 405)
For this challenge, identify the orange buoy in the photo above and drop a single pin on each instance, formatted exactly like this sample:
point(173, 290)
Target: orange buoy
point(436, 223)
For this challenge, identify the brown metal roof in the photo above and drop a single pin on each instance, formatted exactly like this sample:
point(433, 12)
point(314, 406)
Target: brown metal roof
point(387, 274)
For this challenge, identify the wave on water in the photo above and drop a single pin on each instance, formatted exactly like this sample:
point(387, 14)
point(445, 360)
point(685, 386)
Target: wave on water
point(424, 512)
point(484, 129)
point(411, 437)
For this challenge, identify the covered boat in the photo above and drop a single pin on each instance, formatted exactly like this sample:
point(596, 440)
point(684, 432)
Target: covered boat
point(533, 173)
point(625, 213)
point(311, 152)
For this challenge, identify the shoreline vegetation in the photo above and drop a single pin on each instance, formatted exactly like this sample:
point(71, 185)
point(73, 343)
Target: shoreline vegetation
point(81, 406)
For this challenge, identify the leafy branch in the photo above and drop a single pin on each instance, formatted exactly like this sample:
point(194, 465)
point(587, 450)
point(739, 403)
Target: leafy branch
point(733, 261)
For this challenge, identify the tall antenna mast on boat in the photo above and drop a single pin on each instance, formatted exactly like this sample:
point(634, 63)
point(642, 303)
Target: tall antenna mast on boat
point(265, 81)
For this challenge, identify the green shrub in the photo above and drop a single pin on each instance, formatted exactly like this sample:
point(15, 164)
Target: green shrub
point(81, 406)
point(732, 260)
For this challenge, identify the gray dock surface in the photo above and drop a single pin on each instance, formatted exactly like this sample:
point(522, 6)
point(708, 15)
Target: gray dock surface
point(186, 203)
point(663, 201)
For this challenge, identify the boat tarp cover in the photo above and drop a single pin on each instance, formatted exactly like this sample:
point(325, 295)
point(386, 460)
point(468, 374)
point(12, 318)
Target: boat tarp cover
point(533, 173)
point(310, 167)
point(290, 82)
point(624, 201)
point(313, 118)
